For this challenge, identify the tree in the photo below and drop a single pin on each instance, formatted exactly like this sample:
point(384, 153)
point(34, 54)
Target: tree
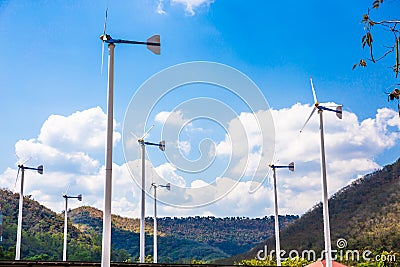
point(391, 26)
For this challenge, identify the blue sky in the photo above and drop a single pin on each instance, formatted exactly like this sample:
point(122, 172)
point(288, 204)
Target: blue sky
point(50, 70)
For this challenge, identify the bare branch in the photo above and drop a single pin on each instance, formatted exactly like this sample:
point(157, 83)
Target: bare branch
point(367, 40)
point(387, 22)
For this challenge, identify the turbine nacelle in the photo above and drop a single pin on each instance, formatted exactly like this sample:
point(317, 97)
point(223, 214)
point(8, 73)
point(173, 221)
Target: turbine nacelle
point(105, 37)
point(290, 166)
point(338, 110)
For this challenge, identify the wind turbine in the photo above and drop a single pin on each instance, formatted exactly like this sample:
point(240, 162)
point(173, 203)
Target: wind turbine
point(155, 252)
point(1, 224)
point(277, 240)
point(79, 197)
point(153, 44)
point(338, 112)
point(22, 168)
point(161, 146)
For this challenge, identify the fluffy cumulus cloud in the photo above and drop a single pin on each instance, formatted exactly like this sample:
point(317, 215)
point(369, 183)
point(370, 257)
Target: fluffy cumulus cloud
point(351, 146)
point(190, 5)
point(71, 149)
point(68, 146)
point(67, 132)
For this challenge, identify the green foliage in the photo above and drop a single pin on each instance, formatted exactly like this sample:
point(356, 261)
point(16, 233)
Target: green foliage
point(233, 235)
point(181, 240)
point(257, 262)
point(296, 262)
point(198, 262)
point(42, 233)
point(293, 262)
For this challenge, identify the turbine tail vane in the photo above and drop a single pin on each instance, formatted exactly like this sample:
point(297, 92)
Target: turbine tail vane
point(153, 44)
point(339, 112)
point(291, 166)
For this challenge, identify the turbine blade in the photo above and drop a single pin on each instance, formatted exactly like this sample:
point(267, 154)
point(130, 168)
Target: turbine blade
point(146, 133)
point(66, 191)
point(105, 22)
point(16, 179)
point(313, 92)
point(102, 41)
point(312, 112)
point(102, 58)
point(398, 108)
point(135, 136)
point(23, 163)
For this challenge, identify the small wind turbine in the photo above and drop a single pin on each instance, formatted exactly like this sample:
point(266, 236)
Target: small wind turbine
point(22, 168)
point(338, 112)
point(1, 224)
point(153, 44)
point(277, 240)
point(79, 197)
point(155, 252)
point(161, 146)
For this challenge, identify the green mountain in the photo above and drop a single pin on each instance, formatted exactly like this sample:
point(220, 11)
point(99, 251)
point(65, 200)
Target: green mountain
point(180, 240)
point(183, 239)
point(365, 213)
point(42, 233)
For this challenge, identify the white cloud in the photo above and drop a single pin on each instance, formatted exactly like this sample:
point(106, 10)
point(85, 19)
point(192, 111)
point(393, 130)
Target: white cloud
point(184, 146)
point(190, 5)
point(160, 7)
point(168, 173)
point(351, 146)
point(83, 129)
point(173, 118)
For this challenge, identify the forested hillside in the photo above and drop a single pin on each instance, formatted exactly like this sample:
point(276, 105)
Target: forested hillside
point(42, 233)
point(365, 213)
point(180, 239)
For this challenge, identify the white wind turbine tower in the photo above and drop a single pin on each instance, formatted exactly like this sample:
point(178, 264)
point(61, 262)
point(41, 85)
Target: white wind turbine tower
point(21, 167)
point(79, 197)
point(338, 112)
point(161, 146)
point(277, 240)
point(155, 247)
point(153, 44)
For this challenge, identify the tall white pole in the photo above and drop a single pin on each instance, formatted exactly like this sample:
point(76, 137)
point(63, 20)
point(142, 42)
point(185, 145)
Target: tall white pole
point(21, 204)
point(277, 242)
point(106, 244)
point(327, 233)
point(155, 226)
point(142, 213)
point(65, 229)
